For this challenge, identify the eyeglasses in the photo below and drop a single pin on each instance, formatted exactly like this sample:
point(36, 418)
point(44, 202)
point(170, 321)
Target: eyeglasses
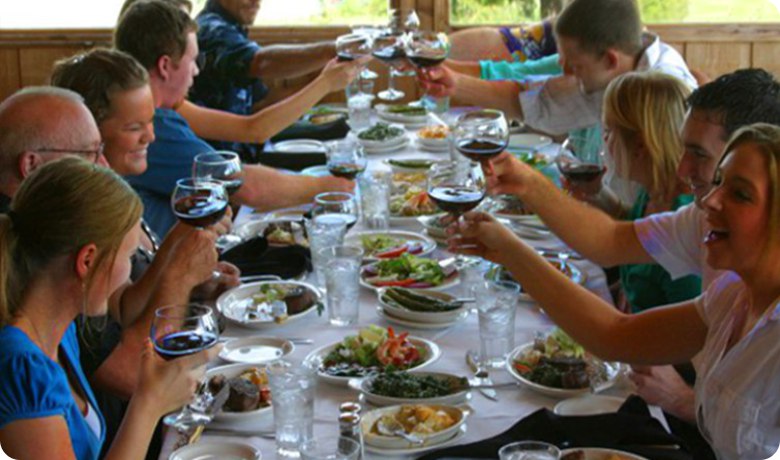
point(89, 155)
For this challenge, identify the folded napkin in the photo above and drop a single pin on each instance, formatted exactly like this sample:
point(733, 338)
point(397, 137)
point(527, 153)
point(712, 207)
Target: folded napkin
point(305, 130)
point(631, 429)
point(255, 257)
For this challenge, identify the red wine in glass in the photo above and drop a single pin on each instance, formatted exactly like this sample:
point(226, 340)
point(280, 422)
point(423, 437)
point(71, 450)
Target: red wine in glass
point(422, 60)
point(480, 149)
point(178, 344)
point(581, 172)
point(201, 209)
point(232, 185)
point(456, 200)
point(343, 56)
point(346, 170)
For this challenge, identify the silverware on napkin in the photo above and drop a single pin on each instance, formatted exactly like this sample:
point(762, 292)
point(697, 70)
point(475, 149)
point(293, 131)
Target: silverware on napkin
point(481, 378)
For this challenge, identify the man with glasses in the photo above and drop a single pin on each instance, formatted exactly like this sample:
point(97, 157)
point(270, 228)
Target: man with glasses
point(42, 124)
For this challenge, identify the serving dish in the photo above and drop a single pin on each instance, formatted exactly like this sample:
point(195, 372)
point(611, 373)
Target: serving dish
point(459, 395)
point(372, 438)
point(420, 316)
point(239, 306)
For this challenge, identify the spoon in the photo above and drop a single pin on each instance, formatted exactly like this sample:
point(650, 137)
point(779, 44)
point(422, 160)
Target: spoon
point(389, 426)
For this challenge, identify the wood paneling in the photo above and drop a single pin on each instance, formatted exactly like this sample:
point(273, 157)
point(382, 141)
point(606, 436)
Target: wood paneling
point(717, 58)
point(10, 77)
point(35, 63)
point(766, 56)
point(679, 46)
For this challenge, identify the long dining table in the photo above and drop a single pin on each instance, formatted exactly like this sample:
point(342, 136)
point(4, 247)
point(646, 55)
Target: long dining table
point(488, 418)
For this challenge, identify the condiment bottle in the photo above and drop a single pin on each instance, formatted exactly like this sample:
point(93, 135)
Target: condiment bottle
point(349, 427)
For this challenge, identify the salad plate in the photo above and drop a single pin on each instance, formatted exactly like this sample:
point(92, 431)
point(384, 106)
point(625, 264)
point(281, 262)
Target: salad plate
point(410, 272)
point(212, 449)
point(387, 244)
point(413, 388)
point(404, 114)
point(267, 304)
point(544, 364)
point(397, 351)
point(598, 453)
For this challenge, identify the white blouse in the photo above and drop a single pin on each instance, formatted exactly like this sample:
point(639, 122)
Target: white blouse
point(738, 391)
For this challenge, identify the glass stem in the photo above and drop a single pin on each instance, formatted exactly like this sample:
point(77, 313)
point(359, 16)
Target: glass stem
point(391, 81)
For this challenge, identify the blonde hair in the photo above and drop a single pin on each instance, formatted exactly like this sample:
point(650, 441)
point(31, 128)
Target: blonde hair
point(766, 138)
point(649, 106)
point(58, 209)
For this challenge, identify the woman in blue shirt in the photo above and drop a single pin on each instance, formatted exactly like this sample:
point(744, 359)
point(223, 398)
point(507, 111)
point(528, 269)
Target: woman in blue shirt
point(47, 278)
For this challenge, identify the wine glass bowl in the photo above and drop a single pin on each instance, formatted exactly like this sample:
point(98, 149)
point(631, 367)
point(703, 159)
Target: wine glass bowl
point(389, 49)
point(335, 206)
point(222, 166)
point(456, 188)
point(346, 159)
point(580, 159)
point(481, 134)
point(198, 202)
point(427, 49)
point(353, 46)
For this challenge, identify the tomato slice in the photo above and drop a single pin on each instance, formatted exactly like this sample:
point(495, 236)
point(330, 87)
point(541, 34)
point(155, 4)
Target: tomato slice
point(405, 282)
point(393, 252)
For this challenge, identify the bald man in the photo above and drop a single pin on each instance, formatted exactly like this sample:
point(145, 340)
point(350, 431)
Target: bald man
point(41, 124)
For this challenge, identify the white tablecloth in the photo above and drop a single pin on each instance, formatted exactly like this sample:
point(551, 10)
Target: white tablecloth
point(489, 418)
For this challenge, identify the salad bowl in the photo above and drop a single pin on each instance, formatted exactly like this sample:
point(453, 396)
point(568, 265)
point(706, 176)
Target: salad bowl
point(410, 272)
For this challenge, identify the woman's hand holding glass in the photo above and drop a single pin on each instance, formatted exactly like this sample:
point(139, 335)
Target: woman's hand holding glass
point(480, 234)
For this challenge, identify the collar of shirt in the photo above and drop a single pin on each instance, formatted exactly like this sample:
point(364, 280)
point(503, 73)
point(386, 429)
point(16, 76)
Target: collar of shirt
point(213, 6)
point(651, 53)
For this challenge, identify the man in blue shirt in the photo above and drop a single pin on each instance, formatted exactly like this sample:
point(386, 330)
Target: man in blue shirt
point(234, 66)
point(162, 38)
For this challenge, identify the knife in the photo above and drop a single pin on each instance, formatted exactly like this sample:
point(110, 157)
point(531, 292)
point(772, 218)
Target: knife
point(484, 384)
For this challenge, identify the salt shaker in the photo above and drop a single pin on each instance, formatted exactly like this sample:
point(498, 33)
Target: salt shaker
point(349, 427)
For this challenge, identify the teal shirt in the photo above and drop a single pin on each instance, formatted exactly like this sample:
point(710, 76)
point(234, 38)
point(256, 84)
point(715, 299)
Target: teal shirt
point(506, 70)
point(649, 285)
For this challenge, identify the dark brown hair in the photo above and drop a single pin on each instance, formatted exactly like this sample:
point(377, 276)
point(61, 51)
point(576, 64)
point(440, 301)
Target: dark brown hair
point(599, 25)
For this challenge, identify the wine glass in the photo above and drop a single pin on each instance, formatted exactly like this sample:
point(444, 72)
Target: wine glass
point(225, 167)
point(199, 202)
point(481, 134)
point(352, 46)
point(457, 188)
point(389, 49)
point(181, 330)
point(331, 206)
point(345, 159)
point(580, 159)
point(425, 50)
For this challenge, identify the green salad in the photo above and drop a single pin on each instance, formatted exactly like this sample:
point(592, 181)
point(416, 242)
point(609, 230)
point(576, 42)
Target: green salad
point(406, 270)
point(414, 386)
point(380, 132)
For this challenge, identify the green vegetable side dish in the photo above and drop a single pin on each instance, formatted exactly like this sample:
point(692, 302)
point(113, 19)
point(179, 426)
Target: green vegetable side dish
point(532, 159)
point(416, 163)
point(415, 301)
point(380, 132)
point(409, 267)
point(412, 386)
point(407, 110)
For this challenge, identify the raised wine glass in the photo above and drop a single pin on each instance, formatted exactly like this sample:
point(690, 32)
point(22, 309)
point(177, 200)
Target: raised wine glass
point(481, 134)
point(389, 49)
point(353, 46)
point(346, 159)
point(457, 188)
point(580, 159)
point(181, 330)
point(335, 206)
point(199, 202)
point(225, 167)
point(426, 50)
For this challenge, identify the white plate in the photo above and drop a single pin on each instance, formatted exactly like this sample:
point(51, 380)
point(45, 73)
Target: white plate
point(431, 349)
point(574, 273)
point(408, 120)
point(375, 144)
point(448, 283)
point(598, 453)
point(264, 414)
point(415, 324)
point(209, 449)
point(396, 442)
point(253, 228)
point(589, 404)
point(233, 304)
point(528, 141)
point(432, 148)
point(423, 318)
point(611, 369)
point(364, 385)
point(428, 245)
point(255, 350)
point(419, 450)
point(300, 146)
point(387, 148)
point(316, 171)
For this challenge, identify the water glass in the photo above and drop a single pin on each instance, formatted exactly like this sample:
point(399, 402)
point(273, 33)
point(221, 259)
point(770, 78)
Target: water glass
point(496, 308)
point(292, 390)
point(330, 448)
point(435, 104)
point(323, 233)
point(375, 199)
point(342, 282)
point(529, 450)
point(359, 107)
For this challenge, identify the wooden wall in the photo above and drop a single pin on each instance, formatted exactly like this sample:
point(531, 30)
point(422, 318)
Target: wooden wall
point(26, 57)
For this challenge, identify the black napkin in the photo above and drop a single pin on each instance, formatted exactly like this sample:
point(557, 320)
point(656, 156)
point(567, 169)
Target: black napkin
point(290, 160)
point(303, 129)
point(631, 429)
point(255, 257)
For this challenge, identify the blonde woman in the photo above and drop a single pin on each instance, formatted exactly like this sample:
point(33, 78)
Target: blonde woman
point(732, 327)
point(48, 278)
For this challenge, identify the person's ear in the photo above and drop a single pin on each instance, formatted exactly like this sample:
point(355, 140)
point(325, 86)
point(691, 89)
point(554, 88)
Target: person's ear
point(27, 163)
point(164, 67)
point(611, 58)
point(86, 260)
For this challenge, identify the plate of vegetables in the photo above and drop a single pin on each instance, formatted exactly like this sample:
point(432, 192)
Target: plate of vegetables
point(391, 388)
point(373, 350)
point(409, 271)
point(387, 244)
point(382, 136)
point(402, 113)
point(499, 273)
point(557, 366)
point(265, 304)
point(409, 198)
point(421, 306)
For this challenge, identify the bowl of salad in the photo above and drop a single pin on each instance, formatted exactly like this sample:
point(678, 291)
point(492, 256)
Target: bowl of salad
point(409, 271)
point(387, 244)
point(373, 350)
point(382, 135)
point(557, 366)
point(391, 388)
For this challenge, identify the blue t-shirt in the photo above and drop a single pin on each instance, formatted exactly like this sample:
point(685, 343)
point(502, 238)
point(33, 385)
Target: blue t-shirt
point(169, 159)
point(224, 81)
point(34, 386)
